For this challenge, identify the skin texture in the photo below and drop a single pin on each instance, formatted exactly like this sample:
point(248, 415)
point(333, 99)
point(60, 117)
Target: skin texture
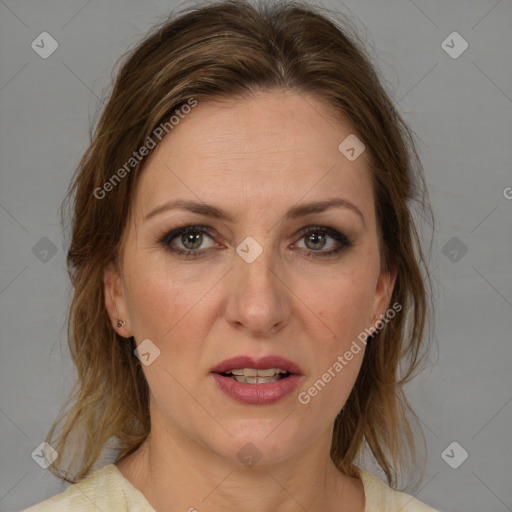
point(255, 158)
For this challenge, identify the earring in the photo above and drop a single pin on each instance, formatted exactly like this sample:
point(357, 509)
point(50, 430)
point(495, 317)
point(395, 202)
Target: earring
point(120, 323)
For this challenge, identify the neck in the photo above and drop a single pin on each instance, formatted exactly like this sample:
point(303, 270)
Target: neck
point(176, 473)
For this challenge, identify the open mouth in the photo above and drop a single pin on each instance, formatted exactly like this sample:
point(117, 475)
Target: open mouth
point(257, 381)
point(253, 376)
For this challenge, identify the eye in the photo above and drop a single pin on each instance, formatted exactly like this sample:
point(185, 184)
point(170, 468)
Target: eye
point(191, 239)
point(188, 240)
point(316, 238)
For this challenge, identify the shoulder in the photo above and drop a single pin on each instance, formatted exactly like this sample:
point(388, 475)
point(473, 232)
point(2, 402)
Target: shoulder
point(105, 489)
point(382, 498)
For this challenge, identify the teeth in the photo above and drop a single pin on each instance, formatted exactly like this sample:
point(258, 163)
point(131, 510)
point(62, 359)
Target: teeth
point(268, 373)
point(252, 376)
point(251, 372)
point(255, 380)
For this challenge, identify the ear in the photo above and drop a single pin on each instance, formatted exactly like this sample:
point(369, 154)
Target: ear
point(383, 292)
point(115, 300)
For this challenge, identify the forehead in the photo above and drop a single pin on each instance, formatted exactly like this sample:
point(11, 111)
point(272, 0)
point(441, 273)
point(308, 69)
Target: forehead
point(272, 147)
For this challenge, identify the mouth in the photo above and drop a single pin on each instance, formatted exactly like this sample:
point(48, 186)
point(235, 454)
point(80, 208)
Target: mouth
point(254, 376)
point(257, 381)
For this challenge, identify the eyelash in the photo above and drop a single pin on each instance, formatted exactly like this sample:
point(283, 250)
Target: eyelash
point(341, 238)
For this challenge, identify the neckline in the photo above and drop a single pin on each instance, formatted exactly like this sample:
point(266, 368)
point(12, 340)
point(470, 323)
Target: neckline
point(366, 479)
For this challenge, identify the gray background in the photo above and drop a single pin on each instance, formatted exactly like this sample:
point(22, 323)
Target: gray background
point(460, 109)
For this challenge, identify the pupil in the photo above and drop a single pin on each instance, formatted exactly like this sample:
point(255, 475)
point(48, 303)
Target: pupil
point(193, 239)
point(315, 237)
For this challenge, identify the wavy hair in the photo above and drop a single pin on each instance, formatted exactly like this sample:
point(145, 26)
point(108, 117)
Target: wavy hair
point(221, 50)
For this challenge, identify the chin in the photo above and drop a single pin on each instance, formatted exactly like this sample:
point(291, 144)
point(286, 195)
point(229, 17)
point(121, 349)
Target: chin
point(259, 442)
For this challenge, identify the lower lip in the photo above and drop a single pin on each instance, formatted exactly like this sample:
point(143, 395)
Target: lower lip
point(257, 394)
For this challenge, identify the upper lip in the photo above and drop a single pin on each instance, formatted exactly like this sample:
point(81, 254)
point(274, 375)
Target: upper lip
point(257, 364)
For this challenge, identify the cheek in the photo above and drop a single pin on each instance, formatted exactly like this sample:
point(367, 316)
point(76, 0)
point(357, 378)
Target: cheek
point(343, 306)
point(158, 297)
point(173, 309)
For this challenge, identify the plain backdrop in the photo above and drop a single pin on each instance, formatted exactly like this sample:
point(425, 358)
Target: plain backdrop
point(457, 100)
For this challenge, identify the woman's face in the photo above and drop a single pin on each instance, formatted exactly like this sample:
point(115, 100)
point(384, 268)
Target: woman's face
point(262, 274)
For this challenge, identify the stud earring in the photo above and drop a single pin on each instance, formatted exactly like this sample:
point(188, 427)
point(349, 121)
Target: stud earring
point(120, 323)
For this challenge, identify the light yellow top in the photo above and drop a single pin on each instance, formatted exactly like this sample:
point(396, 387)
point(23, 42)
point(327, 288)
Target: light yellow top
point(108, 490)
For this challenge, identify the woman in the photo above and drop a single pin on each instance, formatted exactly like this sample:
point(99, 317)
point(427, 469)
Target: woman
point(248, 295)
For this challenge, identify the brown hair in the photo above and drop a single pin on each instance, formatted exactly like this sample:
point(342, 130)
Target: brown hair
point(222, 50)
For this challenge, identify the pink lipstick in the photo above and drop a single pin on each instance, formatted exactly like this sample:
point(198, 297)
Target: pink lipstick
point(257, 381)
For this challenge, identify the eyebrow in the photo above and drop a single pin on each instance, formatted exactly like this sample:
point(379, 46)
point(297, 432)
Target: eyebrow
point(215, 212)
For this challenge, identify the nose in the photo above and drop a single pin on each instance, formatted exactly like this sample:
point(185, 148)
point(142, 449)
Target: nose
point(258, 299)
